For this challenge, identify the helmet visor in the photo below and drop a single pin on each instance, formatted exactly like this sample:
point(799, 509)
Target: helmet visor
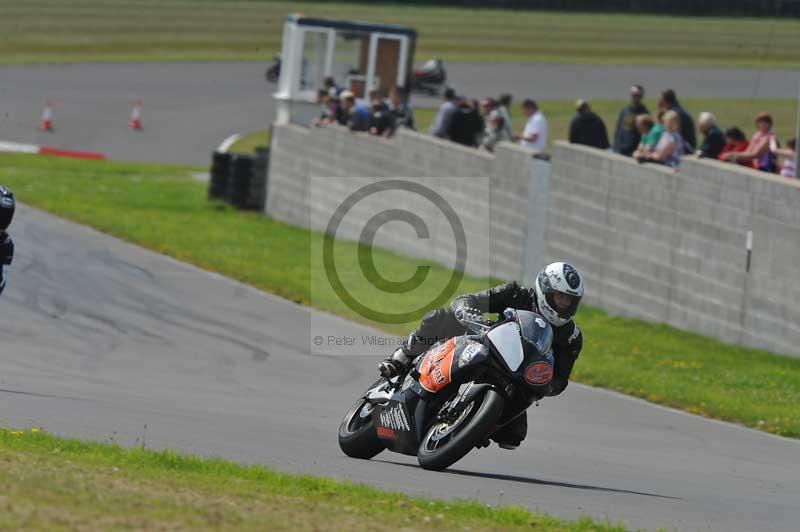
point(565, 305)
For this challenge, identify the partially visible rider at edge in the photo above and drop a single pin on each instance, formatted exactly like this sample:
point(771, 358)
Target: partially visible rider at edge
point(7, 207)
point(556, 295)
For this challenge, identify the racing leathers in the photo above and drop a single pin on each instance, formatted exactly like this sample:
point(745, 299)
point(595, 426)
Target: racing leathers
point(443, 323)
point(6, 256)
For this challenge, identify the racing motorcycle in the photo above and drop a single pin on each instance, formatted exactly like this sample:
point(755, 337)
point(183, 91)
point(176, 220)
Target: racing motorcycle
point(453, 397)
point(273, 73)
point(430, 78)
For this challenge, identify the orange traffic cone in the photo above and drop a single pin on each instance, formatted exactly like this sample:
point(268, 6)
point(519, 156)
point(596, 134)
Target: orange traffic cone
point(46, 124)
point(136, 116)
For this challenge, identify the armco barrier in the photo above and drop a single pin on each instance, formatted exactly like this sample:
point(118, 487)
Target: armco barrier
point(654, 244)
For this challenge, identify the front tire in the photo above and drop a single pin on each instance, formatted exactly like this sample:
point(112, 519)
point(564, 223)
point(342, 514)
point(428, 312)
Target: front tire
point(357, 436)
point(446, 443)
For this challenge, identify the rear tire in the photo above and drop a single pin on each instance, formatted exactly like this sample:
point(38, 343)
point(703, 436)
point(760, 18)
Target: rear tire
point(470, 430)
point(357, 436)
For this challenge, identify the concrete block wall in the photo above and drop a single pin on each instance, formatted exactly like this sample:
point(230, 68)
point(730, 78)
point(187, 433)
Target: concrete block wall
point(656, 244)
point(670, 246)
point(312, 171)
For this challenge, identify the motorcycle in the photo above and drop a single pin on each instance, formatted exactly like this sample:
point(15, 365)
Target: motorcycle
point(453, 397)
point(274, 72)
point(430, 78)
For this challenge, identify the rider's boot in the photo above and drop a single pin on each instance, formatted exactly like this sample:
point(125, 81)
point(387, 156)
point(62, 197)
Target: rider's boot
point(397, 362)
point(510, 436)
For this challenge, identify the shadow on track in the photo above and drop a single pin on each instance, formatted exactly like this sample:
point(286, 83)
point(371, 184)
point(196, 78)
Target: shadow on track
point(528, 480)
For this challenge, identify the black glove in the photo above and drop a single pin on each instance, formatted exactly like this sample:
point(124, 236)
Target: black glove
point(467, 316)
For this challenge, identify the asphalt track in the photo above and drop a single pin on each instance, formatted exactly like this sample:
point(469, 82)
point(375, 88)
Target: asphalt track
point(189, 108)
point(107, 341)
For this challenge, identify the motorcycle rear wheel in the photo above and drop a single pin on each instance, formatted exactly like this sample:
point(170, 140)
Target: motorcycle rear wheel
point(446, 443)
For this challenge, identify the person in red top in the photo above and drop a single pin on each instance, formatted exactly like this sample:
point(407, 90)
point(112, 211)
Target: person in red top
point(757, 153)
point(735, 142)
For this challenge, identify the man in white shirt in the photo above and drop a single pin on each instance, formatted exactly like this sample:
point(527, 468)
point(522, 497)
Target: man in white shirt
point(534, 136)
point(441, 123)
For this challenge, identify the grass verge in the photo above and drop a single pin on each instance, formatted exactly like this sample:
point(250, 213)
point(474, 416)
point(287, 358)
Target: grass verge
point(248, 142)
point(51, 483)
point(43, 31)
point(161, 207)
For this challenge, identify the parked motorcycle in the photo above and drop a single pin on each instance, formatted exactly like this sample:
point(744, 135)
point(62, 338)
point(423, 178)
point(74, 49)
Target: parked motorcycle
point(431, 78)
point(274, 72)
point(454, 396)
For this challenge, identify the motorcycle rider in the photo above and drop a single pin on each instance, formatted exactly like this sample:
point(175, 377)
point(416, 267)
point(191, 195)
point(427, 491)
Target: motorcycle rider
point(556, 295)
point(7, 207)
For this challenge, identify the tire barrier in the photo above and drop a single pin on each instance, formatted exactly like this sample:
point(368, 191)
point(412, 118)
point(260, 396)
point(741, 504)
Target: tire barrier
point(240, 179)
point(257, 197)
point(218, 181)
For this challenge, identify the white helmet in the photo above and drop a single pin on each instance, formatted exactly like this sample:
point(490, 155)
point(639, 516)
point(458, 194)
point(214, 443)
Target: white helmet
point(558, 277)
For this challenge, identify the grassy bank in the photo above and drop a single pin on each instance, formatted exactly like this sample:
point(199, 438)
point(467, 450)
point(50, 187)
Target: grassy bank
point(50, 483)
point(44, 31)
point(163, 208)
point(736, 112)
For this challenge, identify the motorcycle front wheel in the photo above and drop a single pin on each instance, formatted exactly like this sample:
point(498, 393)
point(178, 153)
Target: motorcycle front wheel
point(448, 440)
point(357, 436)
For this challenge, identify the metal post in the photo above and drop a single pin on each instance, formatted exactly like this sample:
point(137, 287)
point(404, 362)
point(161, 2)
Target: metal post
point(749, 246)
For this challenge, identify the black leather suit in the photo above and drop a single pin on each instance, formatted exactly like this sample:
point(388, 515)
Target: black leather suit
point(6, 256)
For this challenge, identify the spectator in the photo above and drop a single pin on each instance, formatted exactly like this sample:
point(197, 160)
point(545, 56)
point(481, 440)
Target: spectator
point(504, 104)
point(587, 128)
point(787, 155)
point(534, 136)
point(441, 123)
point(735, 142)
point(650, 133)
point(354, 115)
point(380, 120)
point(466, 125)
point(713, 138)
point(757, 153)
point(328, 110)
point(671, 145)
point(495, 129)
point(668, 101)
point(401, 111)
point(329, 84)
point(626, 136)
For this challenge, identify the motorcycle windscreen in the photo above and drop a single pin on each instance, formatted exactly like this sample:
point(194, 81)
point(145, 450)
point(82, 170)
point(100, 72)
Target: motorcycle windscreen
point(535, 331)
point(506, 340)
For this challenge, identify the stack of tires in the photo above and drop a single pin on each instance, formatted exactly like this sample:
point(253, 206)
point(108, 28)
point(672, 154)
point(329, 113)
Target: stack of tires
point(218, 180)
point(257, 196)
point(240, 179)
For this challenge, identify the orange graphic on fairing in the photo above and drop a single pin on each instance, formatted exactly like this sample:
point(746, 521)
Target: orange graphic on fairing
point(434, 372)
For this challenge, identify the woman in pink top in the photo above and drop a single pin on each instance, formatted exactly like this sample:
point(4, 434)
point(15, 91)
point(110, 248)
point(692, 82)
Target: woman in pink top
point(758, 152)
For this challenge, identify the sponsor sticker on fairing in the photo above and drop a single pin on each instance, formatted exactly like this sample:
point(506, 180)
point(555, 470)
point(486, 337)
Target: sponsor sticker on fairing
point(395, 418)
point(538, 373)
point(468, 354)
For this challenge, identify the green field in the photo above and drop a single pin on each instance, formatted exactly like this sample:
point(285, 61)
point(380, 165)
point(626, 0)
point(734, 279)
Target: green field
point(52, 31)
point(733, 112)
point(49, 483)
point(163, 208)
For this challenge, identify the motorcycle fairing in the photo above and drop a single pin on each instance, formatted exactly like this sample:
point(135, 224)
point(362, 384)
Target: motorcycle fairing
point(395, 425)
point(455, 361)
